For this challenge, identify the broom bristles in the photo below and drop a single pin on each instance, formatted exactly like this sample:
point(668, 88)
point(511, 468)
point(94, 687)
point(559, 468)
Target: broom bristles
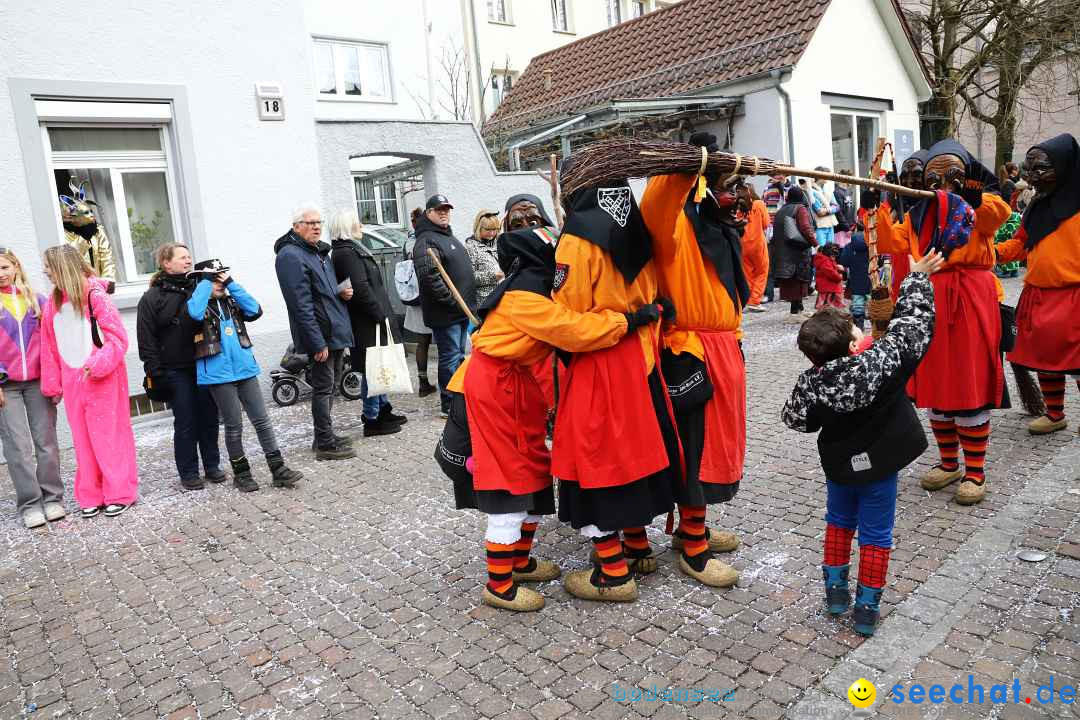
point(1031, 396)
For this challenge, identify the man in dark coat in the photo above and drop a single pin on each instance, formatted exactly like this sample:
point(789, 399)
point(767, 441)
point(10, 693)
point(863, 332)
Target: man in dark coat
point(442, 314)
point(318, 320)
point(369, 308)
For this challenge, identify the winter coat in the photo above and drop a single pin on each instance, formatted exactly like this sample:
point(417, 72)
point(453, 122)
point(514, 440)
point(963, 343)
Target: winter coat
point(792, 240)
point(224, 346)
point(317, 316)
point(485, 263)
point(856, 258)
point(845, 215)
point(370, 305)
point(869, 428)
point(827, 275)
point(436, 300)
point(20, 337)
point(164, 330)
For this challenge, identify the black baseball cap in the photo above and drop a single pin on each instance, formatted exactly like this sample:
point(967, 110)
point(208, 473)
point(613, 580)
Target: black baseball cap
point(437, 201)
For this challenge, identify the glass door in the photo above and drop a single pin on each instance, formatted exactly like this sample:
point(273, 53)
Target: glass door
point(854, 139)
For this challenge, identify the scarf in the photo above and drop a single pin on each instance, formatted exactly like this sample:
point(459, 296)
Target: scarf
point(527, 258)
point(721, 243)
point(951, 221)
point(1046, 213)
point(86, 232)
point(608, 217)
point(979, 179)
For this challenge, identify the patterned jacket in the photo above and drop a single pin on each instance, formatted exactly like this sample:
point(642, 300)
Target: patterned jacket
point(20, 341)
point(868, 425)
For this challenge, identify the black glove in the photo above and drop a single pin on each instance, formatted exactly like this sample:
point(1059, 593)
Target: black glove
point(706, 140)
point(667, 309)
point(869, 199)
point(644, 315)
point(972, 196)
point(891, 177)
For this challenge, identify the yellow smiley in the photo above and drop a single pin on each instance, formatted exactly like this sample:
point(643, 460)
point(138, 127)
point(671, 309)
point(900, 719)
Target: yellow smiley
point(861, 693)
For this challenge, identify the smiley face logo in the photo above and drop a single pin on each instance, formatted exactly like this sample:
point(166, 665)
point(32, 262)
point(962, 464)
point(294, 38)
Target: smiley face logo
point(861, 693)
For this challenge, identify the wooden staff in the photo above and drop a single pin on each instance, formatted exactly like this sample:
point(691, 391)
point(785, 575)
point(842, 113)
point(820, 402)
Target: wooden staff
point(552, 178)
point(853, 180)
point(453, 289)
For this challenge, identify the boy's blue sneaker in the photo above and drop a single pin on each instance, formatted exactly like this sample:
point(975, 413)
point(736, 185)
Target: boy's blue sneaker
point(837, 593)
point(867, 609)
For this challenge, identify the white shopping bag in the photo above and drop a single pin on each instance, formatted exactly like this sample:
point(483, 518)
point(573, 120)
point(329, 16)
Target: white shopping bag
point(385, 366)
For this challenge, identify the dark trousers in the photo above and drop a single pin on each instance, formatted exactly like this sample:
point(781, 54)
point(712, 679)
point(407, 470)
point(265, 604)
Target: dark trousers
point(451, 343)
point(195, 425)
point(233, 400)
point(324, 379)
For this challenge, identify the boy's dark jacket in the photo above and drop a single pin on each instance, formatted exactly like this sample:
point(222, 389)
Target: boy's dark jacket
point(868, 425)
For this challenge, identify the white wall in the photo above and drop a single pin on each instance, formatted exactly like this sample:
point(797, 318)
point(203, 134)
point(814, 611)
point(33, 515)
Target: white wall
point(249, 173)
point(849, 54)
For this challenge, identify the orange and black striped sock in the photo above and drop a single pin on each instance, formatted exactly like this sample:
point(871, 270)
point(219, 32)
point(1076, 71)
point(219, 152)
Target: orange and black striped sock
point(500, 564)
point(948, 443)
point(612, 570)
point(1053, 390)
point(523, 547)
point(636, 543)
point(695, 547)
point(974, 440)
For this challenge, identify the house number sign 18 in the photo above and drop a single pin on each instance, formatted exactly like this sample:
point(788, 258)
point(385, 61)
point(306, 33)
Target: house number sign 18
point(270, 101)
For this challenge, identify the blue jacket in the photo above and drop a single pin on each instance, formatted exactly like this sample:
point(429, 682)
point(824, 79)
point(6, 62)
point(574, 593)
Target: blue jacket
point(234, 362)
point(856, 258)
point(318, 318)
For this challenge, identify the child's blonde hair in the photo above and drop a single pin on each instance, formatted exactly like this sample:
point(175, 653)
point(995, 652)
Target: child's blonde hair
point(69, 273)
point(22, 286)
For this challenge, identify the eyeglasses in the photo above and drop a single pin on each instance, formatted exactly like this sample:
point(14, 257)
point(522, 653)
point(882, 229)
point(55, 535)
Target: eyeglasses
point(310, 222)
point(1037, 168)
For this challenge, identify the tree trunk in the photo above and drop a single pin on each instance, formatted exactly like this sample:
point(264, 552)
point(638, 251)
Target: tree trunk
point(1010, 82)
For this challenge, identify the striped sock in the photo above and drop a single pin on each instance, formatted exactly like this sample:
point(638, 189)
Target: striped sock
point(1053, 390)
point(948, 443)
point(612, 570)
point(974, 441)
point(523, 547)
point(636, 543)
point(692, 530)
point(500, 563)
point(838, 544)
point(873, 565)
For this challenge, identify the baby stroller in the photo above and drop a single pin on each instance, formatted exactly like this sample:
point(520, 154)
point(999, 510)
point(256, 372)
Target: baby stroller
point(294, 379)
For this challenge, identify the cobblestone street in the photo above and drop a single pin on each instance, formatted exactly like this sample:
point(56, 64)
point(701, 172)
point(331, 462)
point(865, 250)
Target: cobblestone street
point(357, 595)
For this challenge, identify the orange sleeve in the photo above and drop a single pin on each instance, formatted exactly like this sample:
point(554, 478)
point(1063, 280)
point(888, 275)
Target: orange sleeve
point(892, 237)
point(1015, 248)
point(576, 291)
point(991, 214)
point(661, 205)
point(560, 327)
point(756, 252)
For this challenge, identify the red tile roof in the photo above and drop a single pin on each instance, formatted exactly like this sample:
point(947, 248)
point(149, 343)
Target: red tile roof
point(681, 49)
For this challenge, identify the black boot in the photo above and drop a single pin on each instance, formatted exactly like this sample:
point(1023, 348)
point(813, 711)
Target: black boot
point(242, 478)
point(378, 426)
point(386, 414)
point(426, 388)
point(284, 477)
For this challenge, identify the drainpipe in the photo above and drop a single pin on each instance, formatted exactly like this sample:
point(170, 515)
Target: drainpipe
point(479, 111)
point(777, 76)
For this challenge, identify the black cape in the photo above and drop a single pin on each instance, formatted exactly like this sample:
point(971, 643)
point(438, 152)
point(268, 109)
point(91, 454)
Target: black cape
point(1046, 213)
point(721, 243)
point(528, 262)
point(608, 217)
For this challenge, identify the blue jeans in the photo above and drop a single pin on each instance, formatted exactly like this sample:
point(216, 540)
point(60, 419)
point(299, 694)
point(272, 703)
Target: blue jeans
point(451, 343)
point(195, 425)
point(372, 404)
point(871, 508)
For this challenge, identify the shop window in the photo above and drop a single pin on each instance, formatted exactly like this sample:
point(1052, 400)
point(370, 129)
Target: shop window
point(352, 70)
point(124, 173)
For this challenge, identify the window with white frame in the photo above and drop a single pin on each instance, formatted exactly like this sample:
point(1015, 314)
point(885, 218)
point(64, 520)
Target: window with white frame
point(614, 12)
point(377, 202)
point(124, 171)
point(638, 8)
point(560, 20)
point(352, 70)
point(498, 11)
point(501, 83)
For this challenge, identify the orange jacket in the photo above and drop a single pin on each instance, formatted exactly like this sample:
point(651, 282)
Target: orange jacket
point(755, 251)
point(701, 301)
point(1054, 262)
point(592, 284)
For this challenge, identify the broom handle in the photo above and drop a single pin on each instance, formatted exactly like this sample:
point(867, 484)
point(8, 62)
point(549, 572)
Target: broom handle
point(852, 180)
point(453, 289)
point(553, 178)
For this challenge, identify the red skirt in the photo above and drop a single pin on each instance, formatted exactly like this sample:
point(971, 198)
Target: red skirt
point(725, 414)
point(507, 421)
point(606, 431)
point(543, 371)
point(1048, 329)
point(962, 371)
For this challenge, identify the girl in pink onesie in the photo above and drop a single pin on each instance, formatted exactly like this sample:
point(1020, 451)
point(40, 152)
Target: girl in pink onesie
point(82, 358)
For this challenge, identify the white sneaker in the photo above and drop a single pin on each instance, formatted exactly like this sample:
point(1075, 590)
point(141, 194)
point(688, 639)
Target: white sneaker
point(33, 517)
point(54, 511)
point(755, 309)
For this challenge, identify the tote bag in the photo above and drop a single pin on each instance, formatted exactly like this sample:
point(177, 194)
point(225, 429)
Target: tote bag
point(385, 366)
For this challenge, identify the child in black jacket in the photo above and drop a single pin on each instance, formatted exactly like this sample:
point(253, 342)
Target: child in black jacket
point(869, 432)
